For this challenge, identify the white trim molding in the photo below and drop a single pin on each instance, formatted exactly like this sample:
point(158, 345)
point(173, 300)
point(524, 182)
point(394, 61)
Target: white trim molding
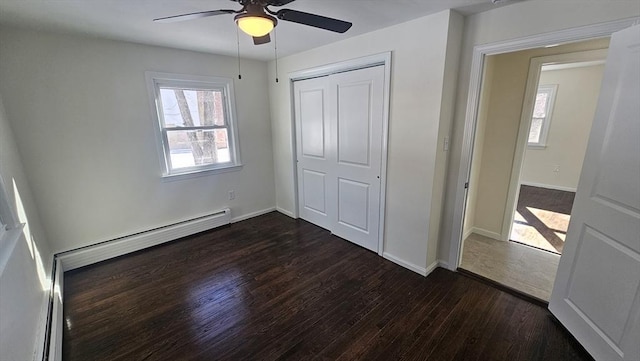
point(342, 66)
point(475, 82)
point(286, 212)
point(482, 232)
point(252, 214)
point(415, 268)
point(431, 267)
point(549, 186)
point(443, 264)
point(408, 265)
point(486, 233)
point(466, 234)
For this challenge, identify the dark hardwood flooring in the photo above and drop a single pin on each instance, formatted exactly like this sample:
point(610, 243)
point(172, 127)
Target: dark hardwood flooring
point(552, 201)
point(274, 288)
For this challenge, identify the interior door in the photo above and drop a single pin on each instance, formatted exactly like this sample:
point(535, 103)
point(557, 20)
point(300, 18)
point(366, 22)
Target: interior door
point(339, 130)
point(596, 295)
point(314, 158)
point(356, 130)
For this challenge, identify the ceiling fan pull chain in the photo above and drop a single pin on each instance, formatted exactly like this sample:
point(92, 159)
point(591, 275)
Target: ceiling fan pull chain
point(238, 43)
point(275, 48)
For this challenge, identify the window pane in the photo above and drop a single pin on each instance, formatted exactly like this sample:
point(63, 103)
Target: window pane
point(540, 109)
point(189, 107)
point(198, 148)
point(535, 130)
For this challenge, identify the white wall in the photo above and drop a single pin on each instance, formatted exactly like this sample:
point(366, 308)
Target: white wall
point(570, 125)
point(518, 20)
point(82, 121)
point(25, 277)
point(450, 78)
point(419, 115)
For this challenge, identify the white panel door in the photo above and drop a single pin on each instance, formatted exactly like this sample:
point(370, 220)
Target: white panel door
point(356, 133)
point(315, 163)
point(596, 295)
point(339, 130)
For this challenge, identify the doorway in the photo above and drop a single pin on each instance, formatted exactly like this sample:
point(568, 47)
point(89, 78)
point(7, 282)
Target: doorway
point(561, 93)
point(523, 162)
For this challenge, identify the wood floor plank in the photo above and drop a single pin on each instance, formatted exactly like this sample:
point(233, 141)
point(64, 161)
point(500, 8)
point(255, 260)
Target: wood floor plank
point(275, 288)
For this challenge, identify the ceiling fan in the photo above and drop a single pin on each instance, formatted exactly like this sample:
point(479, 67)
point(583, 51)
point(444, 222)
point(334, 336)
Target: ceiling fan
point(257, 20)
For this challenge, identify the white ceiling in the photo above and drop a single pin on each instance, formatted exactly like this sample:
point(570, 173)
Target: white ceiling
point(131, 20)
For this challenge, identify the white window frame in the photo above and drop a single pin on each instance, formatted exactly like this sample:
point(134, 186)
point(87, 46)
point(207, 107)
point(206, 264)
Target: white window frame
point(10, 227)
point(551, 90)
point(155, 81)
point(8, 220)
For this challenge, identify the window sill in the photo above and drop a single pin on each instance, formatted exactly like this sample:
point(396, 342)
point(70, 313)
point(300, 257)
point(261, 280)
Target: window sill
point(200, 173)
point(537, 146)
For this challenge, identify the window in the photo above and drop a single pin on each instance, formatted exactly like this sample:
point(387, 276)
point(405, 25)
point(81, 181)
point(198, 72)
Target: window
point(195, 123)
point(8, 220)
point(542, 109)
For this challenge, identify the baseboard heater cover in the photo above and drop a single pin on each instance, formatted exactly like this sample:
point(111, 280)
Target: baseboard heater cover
point(120, 246)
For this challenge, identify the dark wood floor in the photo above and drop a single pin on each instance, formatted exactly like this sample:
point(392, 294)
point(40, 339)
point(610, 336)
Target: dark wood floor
point(551, 200)
point(274, 288)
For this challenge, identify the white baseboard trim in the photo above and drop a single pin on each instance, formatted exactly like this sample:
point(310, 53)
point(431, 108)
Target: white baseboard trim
point(445, 265)
point(408, 265)
point(431, 267)
point(123, 245)
point(484, 232)
point(252, 214)
point(438, 263)
point(549, 186)
point(466, 234)
point(285, 212)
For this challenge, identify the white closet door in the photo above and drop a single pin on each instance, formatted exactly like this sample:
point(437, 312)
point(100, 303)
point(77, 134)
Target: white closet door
point(596, 294)
point(356, 134)
point(315, 163)
point(339, 129)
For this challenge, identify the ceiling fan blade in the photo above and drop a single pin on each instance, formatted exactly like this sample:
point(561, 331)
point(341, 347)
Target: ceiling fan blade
point(278, 2)
point(191, 16)
point(317, 21)
point(261, 40)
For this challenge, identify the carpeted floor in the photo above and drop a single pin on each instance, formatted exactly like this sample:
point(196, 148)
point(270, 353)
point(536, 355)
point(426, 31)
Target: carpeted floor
point(542, 218)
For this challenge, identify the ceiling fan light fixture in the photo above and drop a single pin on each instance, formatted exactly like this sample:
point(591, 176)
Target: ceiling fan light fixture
point(256, 25)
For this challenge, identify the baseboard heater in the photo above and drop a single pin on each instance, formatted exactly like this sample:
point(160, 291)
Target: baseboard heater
point(120, 246)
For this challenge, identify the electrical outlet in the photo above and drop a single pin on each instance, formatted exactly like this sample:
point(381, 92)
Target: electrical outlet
point(232, 195)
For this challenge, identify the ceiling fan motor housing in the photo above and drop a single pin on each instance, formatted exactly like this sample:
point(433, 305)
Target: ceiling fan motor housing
point(254, 21)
